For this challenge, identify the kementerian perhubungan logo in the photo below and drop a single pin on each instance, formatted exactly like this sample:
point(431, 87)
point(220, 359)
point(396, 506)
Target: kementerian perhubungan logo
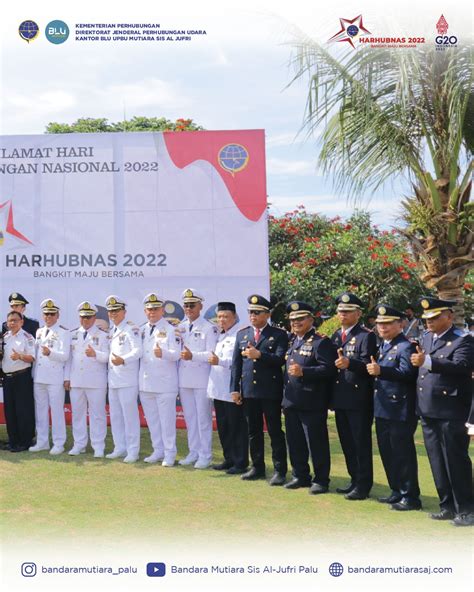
point(7, 226)
point(350, 30)
point(442, 40)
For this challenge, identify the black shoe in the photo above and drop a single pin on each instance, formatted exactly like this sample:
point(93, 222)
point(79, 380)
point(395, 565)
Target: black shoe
point(277, 479)
point(394, 498)
point(19, 448)
point(316, 489)
point(356, 494)
point(296, 483)
point(253, 474)
point(463, 520)
point(235, 471)
point(223, 466)
point(405, 505)
point(5, 446)
point(347, 489)
point(443, 515)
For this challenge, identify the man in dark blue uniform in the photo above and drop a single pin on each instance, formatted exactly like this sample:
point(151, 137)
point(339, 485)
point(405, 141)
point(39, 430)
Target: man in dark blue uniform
point(18, 303)
point(309, 369)
point(444, 398)
point(257, 382)
point(394, 409)
point(352, 396)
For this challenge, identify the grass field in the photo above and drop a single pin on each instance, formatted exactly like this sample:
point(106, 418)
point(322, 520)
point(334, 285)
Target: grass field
point(46, 497)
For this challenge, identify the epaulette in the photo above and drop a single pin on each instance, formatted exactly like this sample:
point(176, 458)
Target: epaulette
point(130, 323)
point(103, 330)
point(366, 329)
point(143, 324)
point(63, 327)
point(459, 332)
point(75, 329)
point(246, 327)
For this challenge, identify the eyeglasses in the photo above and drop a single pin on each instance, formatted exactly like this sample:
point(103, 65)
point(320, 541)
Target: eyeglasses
point(189, 305)
point(50, 314)
point(255, 312)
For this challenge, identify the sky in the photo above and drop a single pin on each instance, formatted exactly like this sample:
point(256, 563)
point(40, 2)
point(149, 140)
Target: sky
point(234, 77)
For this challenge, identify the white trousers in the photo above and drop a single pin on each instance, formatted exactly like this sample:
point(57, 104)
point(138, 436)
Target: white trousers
point(49, 396)
point(197, 409)
point(160, 414)
point(94, 399)
point(124, 419)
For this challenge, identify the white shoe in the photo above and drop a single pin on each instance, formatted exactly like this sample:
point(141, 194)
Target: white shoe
point(117, 454)
point(38, 448)
point(202, 464)
point(130, 458)
point(153, 458)
point(189, 460)
point(168, 463)
point(76, 451)
point(55, 450)
point(99, 454)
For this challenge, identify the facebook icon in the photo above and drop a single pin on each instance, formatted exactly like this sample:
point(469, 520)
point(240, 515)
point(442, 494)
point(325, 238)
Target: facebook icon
point(155, 570)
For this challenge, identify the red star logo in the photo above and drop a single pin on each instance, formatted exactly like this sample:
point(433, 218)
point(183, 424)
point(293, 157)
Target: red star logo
point(350, 29)
point(10, 227)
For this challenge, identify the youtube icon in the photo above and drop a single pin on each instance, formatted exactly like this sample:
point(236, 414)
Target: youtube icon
point(155, 570)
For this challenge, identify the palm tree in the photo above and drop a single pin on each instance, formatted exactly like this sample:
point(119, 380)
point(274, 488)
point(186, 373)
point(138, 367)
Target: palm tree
point(386, 114)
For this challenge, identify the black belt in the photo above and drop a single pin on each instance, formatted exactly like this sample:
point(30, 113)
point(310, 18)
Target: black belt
point(11, 374)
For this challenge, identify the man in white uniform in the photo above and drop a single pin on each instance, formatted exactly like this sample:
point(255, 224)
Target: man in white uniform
point(158, 380)
point(125, 353)
point(52, 353)
point(230, 418)
point(199, 339)
point(86, 379)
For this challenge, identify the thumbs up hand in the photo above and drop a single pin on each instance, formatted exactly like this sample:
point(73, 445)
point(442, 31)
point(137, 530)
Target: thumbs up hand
point(158, 351)
point(186, 354)
point(15, 355)
point(90, 351)
point(295, 370)
point(419, 358)
point(252, 353)
point(373, 368)
point(213, 359)
point(342, 362)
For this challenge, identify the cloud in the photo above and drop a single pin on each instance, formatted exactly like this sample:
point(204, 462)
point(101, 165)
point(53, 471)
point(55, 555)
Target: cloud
point(280, 166)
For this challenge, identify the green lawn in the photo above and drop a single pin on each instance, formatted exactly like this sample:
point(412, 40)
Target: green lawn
point(47, 497)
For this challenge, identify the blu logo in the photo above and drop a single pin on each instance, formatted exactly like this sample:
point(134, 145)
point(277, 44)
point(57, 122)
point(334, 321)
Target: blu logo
point(57, 32)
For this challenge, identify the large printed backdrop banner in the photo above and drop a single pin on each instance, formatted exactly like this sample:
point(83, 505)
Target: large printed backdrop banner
point(83, 216)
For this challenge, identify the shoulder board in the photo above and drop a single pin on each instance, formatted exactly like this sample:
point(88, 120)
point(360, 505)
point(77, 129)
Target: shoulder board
point(459, 332)
point(130, 323)
point(245, 328)
point(143, 324)
point(75, 329)
point(65, 328)
point(103, 330)
point(365, 329)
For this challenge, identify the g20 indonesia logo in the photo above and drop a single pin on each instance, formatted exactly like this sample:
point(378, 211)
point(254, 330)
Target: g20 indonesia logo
point(28, 31)
point(56, 32)
point(233, 158)
point(442, 40)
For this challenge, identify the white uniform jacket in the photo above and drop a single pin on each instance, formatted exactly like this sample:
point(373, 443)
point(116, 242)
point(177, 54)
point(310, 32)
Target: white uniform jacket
point(219, 377)
point(201, 341)
point(23, 343)
point(125, 341)
point(82, 371)
point(159, 375)
point(50, 369)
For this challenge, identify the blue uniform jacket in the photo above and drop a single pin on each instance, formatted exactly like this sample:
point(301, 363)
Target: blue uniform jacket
point(262, 378)
point(445, 391)
point(395, 387)
point(316, 354)
point(353, 388)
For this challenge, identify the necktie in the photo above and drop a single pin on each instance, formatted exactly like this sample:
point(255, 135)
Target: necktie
point(343, 335)
point(85, 335)
point(190, 327)
point(152, 328)
point(46, 334)
point(435, 338)
point(257, 335)
point(298, 342)
point(115, 330)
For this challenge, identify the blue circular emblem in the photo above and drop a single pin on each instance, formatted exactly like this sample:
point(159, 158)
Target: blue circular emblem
point(233, 157)
point(352, 30)
point(28, 30)
point(336, 569)
point(56, 32)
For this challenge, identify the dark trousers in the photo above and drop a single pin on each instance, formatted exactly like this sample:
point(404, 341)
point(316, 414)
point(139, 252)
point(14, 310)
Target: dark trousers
point(447, 445)
point(398, 454)
point(354, 427)
point(307, 434)
point(255, 410)
point(19, 407)
point(233, 433)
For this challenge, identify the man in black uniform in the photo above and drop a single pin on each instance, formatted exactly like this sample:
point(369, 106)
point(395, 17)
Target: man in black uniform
point(444, 398)
point(309, 369)
point(18, 303)
point(394, 409)
point(257, 382)
point(352, 396)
